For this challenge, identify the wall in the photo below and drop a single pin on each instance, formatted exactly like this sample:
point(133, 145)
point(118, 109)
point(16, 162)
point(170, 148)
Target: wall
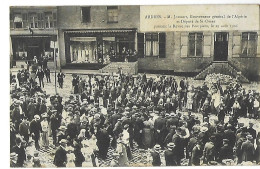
point(69, 17)
point(176, 62)
point(173, 60)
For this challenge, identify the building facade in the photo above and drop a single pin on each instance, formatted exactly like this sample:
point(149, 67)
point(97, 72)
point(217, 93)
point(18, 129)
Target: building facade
point(31, 31)
point(89, 33)
point(86, 34)
point(191, 52)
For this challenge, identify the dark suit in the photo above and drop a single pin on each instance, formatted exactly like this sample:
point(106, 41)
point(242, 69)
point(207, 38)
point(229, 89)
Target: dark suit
point(60, 158)
point(160, 124)
point(20, 151)
point(226, 152)
point(156, 158)
point(248, 151)
point(40, 75)
point(170, 158)
point(35, 128)
point(196, 155)
point(103, 142)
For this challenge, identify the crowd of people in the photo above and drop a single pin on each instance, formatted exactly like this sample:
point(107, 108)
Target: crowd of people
point(170, 120)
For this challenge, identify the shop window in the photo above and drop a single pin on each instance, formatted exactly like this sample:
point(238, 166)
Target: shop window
point(85, 14)
point(112, 14)
point(249, 43)
point(195, 44)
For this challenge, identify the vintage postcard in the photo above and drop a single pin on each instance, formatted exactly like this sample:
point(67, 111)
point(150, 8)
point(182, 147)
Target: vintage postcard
point(134, 85)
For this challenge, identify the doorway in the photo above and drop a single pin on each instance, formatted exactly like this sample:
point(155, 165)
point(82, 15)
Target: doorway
point(33, 51)
point(221, 46)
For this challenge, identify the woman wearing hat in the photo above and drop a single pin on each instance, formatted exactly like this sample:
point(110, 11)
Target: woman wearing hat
point(45, 129)
point(121, 150)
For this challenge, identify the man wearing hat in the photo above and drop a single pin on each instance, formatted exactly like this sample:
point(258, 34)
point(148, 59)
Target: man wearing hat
point(171, 155)
point(248, 149)
point(209, 153)
point(35, 129)
point(55, 123)
point(60, 158)
point(13, 160)
point(24, 129)
point(156, 155)
point(226, 151)
point(20, 151)
point(251, 130)
point(60, 76)
point(161, 131)
point(173, 120)
point(196, 154)
point(178, 142)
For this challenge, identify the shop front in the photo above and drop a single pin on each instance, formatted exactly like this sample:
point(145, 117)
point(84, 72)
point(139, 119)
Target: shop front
point(97, 46)
point(25, 48)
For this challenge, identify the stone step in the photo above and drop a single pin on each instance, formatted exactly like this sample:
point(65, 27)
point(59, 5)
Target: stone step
point(126, 67)
point(223, 68)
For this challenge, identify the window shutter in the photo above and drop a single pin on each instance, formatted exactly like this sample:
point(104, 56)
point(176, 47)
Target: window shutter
point(184, 44)
point(140, 46)
point(207, 39)
point(162, 43)
point(11, 21)
point(236, 45)
point(258, 46)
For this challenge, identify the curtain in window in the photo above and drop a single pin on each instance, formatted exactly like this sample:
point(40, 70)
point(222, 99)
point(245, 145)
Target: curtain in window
point(152, 48)
point(249, 44)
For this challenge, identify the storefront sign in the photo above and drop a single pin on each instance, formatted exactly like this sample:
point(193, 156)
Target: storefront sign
point(199, 18)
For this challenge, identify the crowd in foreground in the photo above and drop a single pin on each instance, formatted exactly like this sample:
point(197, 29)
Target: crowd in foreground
point(168, 119)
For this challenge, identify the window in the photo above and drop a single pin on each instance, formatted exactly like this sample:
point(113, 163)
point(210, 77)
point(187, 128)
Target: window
point(249, 43)
point(195, 44)
point(48, 20)
point(33, 20)
point(112, 14)
point(85, 14)
point(151, 44)
point(18, 21)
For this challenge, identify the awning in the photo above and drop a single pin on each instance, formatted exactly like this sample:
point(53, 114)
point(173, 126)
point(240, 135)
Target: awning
point(18, 19)
point(109, 38)
point(30, 36)
point(83, 39)
point(101, 31)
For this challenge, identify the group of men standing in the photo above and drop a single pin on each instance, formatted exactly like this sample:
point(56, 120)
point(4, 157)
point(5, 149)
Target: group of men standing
point(121, 112)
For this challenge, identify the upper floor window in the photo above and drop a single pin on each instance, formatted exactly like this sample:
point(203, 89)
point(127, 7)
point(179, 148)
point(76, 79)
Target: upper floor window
point(195, 44)
point(18, 20)
point(33, 20)
point(249, 43)
point(112, 14)
point(85, 14)
point(48, 20)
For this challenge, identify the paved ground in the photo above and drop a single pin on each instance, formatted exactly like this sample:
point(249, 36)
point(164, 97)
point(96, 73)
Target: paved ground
point(139, 156)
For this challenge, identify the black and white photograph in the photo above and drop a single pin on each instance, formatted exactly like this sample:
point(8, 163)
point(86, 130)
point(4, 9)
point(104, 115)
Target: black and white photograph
point(134, 85)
